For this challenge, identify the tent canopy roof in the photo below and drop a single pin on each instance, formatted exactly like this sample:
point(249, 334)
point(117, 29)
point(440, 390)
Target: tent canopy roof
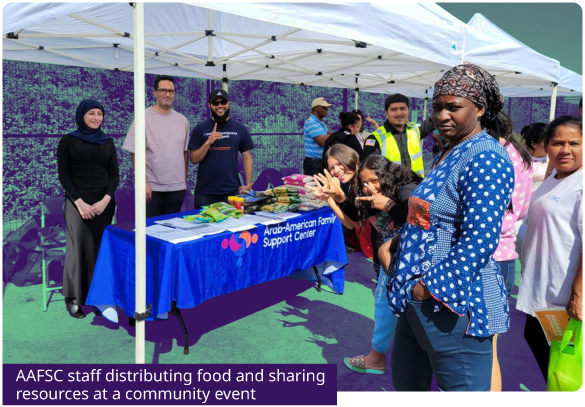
point(520, 70)
point(349, 45)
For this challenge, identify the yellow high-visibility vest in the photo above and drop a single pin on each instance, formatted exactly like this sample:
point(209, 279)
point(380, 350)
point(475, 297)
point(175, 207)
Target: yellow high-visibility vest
point(389, 147)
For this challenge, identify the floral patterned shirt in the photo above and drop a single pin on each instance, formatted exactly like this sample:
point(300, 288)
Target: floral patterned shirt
point(452, 230)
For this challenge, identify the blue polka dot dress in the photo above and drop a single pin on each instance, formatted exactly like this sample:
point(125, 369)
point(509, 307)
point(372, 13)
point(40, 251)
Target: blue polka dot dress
point(452, 230)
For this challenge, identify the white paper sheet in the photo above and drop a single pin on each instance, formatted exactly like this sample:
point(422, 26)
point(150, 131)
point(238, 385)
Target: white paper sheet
point(270, 218)
point(158, 230)
point(237, 225)
point(178, 223)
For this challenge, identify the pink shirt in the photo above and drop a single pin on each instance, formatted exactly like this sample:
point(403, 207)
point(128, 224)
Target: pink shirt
point(506, 250)
point(167, 139)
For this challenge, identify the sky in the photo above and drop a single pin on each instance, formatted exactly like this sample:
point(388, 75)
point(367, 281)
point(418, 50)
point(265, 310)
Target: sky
point(553, 29)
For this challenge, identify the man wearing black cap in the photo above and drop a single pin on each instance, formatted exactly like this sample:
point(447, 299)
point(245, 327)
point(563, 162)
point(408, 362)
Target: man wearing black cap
point(214, 145)
point(398, 139)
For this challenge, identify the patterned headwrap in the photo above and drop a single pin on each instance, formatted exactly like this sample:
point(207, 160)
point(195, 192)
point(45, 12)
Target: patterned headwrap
point(472, 83)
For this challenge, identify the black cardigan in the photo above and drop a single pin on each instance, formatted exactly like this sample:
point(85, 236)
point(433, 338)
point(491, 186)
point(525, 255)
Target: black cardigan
point(83, 165)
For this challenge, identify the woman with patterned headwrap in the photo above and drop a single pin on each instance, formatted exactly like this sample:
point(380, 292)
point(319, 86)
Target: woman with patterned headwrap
point(445, 284)
point(88, 171)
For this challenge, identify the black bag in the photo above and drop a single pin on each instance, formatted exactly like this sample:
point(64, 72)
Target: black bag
point(22, 257)
point(28, 270)
point(17, 244)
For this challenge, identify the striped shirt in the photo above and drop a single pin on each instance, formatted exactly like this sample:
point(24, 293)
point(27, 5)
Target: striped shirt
point(313, 128)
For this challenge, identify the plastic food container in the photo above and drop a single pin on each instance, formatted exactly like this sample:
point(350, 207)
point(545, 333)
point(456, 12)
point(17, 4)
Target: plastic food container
point(239, 202)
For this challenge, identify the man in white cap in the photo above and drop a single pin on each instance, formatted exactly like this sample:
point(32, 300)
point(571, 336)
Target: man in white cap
point(315, 133)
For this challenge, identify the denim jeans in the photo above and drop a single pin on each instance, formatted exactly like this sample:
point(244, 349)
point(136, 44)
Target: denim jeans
point(428, 342)
point(508, 271)
point(384, 319)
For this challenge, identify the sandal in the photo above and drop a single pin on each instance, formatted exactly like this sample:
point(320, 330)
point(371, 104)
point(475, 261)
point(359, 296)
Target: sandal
point(358, 364)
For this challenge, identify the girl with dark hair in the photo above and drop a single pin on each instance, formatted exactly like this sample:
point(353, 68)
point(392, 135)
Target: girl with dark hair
point(363, 135)
point(88, 171)
point(350, 126)
point(533, 135)
point(552, 255)
point(379, 194)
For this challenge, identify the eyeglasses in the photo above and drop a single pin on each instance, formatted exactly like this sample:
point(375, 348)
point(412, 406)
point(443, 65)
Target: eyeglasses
point(163, 91)
point(222, 102)
point(324, 107)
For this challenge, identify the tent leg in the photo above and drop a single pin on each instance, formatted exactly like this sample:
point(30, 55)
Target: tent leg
point(176, 312)
point(224, 79)
point(316, 270)
point(140, 181)
point(553, 102)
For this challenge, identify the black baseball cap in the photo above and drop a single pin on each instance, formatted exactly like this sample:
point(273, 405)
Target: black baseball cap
point(218, 93)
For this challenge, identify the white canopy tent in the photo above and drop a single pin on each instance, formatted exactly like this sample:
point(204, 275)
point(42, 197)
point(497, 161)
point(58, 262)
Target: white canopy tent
point(217, 40)
point(312, 44)
point(398, 48)
point(519, 70)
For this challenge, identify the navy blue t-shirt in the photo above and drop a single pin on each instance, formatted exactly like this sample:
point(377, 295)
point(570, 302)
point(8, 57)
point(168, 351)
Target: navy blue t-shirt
point(218, 172)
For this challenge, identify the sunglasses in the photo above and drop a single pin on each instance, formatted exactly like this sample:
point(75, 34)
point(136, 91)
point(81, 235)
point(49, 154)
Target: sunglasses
point(222, 102)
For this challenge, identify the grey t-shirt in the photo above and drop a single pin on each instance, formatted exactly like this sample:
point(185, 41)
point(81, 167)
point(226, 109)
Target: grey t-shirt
point(167, 138)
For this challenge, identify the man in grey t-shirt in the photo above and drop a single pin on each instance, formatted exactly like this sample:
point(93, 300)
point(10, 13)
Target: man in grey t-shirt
point(167, 139)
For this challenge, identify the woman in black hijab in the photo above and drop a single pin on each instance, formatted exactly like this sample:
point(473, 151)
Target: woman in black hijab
point(88, 171)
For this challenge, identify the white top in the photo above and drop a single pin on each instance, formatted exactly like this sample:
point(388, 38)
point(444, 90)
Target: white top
point(167, 138)
point(539, 166)
point(552, 244)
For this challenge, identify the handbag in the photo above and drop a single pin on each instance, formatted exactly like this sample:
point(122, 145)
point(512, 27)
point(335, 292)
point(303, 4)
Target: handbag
point(565, 368)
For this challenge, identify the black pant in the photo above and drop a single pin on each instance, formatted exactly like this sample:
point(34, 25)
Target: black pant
point(207, 199)
point(312, 166)
point(164, 203)
point(84, 237)
point(539, 346)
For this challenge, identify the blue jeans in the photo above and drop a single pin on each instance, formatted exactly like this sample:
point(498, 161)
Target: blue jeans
point(428, 342)
point(384, 319)
point(508, 271)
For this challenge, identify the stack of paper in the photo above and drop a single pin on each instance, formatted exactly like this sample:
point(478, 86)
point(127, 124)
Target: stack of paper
point(179, 223)
point(169, 234)
point(177, 230)
point(237, 225)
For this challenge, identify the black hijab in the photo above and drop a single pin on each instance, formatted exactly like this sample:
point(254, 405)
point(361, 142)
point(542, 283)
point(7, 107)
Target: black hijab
point(83, 132)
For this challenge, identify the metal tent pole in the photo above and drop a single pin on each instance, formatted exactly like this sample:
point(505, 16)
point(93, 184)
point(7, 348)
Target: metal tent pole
point(356, 93)
point(224, 79)
point(553, 101)
point(140, 180)
point(425, 105)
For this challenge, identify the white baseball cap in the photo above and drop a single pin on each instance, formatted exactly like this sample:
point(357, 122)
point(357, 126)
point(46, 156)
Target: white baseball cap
point(320, 102)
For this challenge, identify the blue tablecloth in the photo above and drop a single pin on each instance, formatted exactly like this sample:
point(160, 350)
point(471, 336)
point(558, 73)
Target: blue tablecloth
point(194, 271)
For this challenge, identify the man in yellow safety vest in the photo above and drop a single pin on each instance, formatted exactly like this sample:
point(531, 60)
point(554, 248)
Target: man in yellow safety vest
point(398, 139)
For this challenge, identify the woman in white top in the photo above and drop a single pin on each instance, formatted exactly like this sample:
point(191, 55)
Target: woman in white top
point(552, 250)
